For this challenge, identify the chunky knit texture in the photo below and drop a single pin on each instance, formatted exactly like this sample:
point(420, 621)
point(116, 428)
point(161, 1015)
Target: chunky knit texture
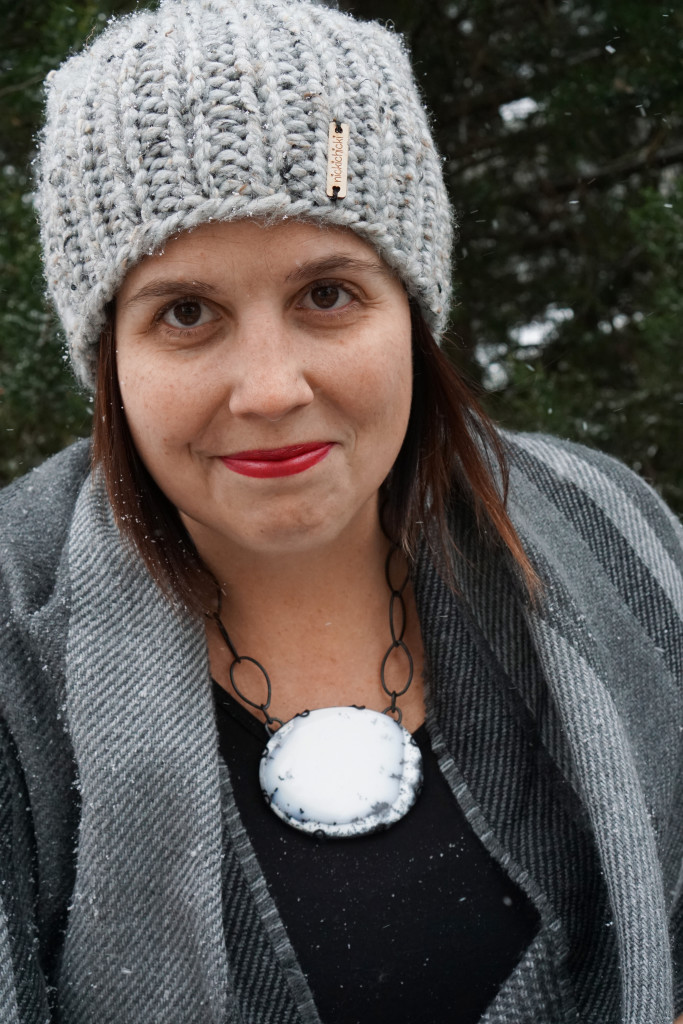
point(562, 740)
point(219, 109)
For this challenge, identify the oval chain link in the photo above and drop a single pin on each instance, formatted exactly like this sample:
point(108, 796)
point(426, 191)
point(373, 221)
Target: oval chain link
point(271, 722)
point(397, 641)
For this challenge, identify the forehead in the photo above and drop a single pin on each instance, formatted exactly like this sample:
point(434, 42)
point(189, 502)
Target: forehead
point(237, 248)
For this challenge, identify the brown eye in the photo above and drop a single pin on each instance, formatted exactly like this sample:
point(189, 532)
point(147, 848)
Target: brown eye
point(327, 296)
point(186, 314)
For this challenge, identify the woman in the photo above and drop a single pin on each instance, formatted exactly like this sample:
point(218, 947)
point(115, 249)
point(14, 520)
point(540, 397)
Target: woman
point(295, 513)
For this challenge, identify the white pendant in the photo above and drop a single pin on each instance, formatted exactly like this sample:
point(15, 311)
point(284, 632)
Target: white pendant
point(341, 771)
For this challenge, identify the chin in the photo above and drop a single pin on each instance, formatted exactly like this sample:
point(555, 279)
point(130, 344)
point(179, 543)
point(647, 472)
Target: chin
point(294, 537)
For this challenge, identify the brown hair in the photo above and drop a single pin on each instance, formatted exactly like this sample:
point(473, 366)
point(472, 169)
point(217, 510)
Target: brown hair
point(451, 446)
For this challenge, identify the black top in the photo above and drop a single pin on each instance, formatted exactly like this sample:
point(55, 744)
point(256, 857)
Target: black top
point(417, 923)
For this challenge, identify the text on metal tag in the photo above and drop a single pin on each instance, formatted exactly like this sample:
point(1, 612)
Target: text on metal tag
point(337, 159)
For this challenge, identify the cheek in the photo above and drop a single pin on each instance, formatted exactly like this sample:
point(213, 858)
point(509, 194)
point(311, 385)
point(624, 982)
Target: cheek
point(146, 401)
point(382, 394)
point(161, 406)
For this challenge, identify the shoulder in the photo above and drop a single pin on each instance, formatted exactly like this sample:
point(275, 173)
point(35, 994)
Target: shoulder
point(594, 493)
point(35, 514)
point(47, 485)
point(610, 556)
point(546, 459)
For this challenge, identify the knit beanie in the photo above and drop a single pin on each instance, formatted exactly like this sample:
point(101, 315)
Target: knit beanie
point(223, 109)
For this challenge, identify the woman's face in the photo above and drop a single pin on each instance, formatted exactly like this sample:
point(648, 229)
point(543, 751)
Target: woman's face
point(266, 377)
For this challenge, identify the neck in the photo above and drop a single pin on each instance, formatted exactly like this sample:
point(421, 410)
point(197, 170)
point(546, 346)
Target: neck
point(301, 579)
point(318, 621)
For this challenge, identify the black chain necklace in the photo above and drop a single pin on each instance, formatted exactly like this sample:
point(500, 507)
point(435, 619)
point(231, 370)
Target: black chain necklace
point(339, 771)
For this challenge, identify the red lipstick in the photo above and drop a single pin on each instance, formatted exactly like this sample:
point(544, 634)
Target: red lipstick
point(271, 462)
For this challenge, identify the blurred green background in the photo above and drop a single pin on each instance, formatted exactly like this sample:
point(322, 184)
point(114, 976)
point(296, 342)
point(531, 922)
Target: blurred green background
point(560, 124)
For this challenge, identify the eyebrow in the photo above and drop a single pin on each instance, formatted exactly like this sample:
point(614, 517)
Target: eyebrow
point(331, 264)
point(169, 286)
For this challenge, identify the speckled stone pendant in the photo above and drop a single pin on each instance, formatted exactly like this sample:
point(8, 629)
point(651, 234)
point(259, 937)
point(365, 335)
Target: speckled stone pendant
point(341, 772)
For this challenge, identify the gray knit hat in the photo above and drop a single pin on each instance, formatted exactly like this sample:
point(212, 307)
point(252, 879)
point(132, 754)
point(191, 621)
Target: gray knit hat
point(221, 109)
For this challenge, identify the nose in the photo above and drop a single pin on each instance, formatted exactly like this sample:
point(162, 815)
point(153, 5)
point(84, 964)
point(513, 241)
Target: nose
point(270, 378)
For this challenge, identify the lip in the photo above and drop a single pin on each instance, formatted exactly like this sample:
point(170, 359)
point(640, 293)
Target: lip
point(265, 463)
